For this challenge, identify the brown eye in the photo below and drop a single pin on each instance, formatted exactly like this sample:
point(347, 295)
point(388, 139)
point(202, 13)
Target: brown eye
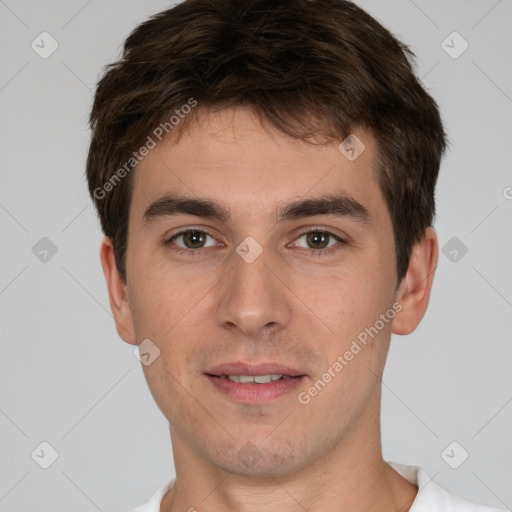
point(192, 239)
point(318, 239)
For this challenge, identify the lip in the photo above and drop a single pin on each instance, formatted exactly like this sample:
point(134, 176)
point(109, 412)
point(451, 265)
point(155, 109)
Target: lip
point(256, 394)
point(265, 368)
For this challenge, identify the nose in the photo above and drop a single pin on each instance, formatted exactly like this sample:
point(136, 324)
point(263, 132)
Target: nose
point(254, 297)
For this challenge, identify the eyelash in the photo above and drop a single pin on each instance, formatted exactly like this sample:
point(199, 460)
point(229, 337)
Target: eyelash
point(200, 251)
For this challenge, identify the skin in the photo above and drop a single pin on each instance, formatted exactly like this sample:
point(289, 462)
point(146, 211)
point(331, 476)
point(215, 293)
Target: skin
point(288, 306)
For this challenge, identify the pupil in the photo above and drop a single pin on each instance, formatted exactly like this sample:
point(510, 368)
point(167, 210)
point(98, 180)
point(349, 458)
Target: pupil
point(195, 238)
point(318, 237)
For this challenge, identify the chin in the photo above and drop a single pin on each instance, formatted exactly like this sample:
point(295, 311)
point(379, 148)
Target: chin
point(258, 459)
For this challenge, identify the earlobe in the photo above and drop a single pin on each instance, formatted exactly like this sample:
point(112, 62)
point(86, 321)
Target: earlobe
point(414, 290)
point(117, 295)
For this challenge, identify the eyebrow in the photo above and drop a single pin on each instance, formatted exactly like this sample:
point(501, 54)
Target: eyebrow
point(340, 205)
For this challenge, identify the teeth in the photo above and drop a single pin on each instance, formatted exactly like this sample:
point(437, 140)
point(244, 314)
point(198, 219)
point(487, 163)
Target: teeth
point(255, 379)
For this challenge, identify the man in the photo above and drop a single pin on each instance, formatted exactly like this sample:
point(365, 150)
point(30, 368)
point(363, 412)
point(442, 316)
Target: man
point(264, 174)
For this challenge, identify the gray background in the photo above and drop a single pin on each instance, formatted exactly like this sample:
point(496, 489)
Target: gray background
point(67, 379)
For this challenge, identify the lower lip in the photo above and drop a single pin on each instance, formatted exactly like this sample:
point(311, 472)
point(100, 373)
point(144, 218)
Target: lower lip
point(255, 393)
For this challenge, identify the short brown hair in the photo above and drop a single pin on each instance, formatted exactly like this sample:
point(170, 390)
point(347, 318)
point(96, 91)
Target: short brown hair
point(310, 67)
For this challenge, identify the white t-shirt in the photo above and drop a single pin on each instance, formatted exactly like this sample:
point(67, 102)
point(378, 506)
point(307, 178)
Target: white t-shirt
point(431, 497)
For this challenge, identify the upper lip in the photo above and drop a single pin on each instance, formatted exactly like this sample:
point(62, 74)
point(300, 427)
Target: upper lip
point(264, 368)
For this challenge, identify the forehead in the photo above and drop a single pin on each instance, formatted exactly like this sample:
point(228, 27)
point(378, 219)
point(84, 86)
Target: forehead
point(230, 157)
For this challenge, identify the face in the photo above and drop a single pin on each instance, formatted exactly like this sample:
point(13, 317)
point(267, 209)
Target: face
point(259, 275)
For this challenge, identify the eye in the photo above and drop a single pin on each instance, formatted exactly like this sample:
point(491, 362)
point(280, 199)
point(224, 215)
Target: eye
point(191, 239)
point(195, 241)
point(318, 241)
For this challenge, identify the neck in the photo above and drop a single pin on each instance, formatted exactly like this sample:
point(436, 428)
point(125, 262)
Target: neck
point(352, 476)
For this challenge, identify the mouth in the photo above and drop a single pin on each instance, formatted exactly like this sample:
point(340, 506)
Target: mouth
point(254, 379)
point(254, 383)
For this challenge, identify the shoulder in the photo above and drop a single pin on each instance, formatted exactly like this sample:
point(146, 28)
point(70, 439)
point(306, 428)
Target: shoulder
point(153, 505)
point(432, 496)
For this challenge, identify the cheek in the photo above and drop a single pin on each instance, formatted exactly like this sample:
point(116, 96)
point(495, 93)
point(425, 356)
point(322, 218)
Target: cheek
point(167, 310)
point(159, 301)
point(348, 301)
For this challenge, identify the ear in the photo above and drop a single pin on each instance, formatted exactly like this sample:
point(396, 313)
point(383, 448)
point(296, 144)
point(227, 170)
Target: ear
point(414, 290)
point(117, 293)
